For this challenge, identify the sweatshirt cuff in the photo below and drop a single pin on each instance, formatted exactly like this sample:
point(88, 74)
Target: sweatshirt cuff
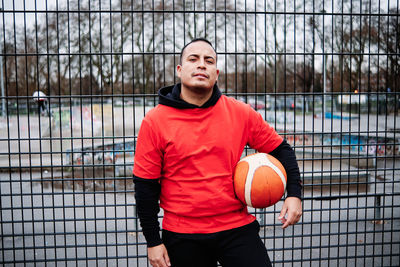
point(152, 238)
point(293, 190)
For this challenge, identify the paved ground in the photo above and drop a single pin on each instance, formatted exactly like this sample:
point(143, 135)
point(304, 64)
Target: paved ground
point(42, 222)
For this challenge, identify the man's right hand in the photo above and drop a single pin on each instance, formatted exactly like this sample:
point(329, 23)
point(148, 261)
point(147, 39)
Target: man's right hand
point(158, 256)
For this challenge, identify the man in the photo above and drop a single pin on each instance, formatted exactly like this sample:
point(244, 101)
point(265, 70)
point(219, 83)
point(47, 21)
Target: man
point(187, 149)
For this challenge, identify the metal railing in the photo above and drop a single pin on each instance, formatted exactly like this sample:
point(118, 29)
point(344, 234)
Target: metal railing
point(325, 74)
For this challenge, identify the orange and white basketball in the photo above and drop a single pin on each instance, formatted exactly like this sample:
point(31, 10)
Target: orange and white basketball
point(259, 180)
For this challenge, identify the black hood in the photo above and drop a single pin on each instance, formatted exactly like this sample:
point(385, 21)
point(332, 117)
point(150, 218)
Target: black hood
point(170, 96)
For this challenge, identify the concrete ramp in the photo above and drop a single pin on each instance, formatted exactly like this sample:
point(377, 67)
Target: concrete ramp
point(34, 141)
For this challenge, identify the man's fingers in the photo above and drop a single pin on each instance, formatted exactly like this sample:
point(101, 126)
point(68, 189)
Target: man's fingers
point(158, 256)
point(281, 216)
point(293, 218)
point(292, 209)
point(287, 222)
point(159, 263)
point(296, 216)
point(166, 259)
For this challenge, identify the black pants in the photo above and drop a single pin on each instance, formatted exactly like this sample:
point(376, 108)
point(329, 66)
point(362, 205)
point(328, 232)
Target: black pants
point(239, 247)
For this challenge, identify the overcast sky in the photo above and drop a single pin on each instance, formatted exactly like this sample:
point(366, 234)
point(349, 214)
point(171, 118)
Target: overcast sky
point(281, 5)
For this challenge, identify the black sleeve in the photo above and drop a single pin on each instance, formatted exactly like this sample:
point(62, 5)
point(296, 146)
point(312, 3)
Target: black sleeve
point(147, 194)
point(286, 155)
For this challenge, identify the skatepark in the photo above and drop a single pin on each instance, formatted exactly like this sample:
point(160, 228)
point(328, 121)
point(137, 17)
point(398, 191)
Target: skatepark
point(72, 173)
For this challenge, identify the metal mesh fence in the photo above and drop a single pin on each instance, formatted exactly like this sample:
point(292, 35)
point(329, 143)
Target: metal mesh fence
point(77, 78)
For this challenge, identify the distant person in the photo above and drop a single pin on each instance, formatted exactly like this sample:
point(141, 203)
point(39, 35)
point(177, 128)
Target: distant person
point(187, 149)
point(40, 98)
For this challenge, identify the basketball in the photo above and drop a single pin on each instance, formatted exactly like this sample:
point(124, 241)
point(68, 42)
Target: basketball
point(259, 180)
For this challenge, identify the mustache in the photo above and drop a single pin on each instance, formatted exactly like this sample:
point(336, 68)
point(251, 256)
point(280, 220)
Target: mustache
point(200, 73)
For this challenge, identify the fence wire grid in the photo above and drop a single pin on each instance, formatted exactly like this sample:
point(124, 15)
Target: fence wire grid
point(77, 78)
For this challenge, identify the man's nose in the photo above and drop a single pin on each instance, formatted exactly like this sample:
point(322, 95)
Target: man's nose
point(202, 64)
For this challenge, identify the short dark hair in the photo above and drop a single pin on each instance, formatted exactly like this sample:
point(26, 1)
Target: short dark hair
point(193, 41)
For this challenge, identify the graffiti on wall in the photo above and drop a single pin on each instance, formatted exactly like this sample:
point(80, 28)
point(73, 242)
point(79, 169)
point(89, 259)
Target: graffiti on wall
point(116, 157)
point(375, 146)
point(302, 140)
point(364, 144)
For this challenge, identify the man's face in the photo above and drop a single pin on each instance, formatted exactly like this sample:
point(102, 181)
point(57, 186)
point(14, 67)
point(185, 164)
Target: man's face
point(198, 70)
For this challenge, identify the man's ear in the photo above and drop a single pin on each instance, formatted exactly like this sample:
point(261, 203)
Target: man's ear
point(216, 79)
point(178, 70)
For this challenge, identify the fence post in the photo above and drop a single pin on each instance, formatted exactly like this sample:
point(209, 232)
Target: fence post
point(377, 208)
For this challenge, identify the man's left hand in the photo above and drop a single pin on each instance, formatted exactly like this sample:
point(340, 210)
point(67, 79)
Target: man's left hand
point(291, 211)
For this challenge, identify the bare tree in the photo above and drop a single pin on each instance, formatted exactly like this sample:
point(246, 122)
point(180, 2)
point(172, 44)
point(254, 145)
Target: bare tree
point(160, 36)
point(387, 41)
